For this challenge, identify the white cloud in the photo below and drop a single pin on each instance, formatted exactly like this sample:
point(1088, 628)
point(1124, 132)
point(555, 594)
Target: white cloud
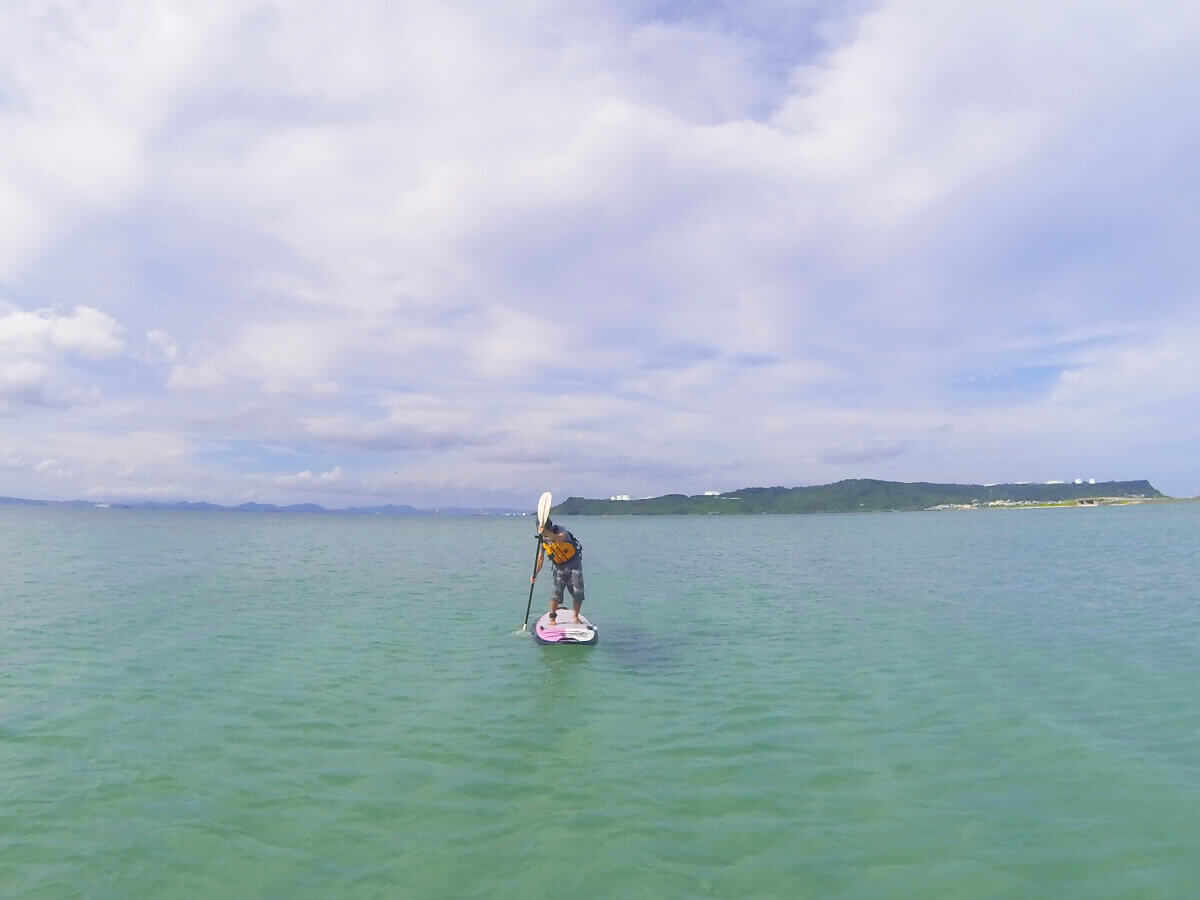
point(88, 83)
point(195, 378)
point(11, 459)
point(162, 344)
point(43, 356)
point(307, 479)
point(1149, 385)
point(22, 378)
point(50, 467)
point(85, 331)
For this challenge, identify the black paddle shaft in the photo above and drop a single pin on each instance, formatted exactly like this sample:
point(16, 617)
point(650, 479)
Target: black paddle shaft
point(529, 605)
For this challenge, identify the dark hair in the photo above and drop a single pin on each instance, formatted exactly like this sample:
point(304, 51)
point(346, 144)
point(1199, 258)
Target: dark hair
point(548, 524)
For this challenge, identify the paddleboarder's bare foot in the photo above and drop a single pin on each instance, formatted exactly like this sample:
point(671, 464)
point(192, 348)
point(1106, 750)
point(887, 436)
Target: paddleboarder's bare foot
point(576, 618)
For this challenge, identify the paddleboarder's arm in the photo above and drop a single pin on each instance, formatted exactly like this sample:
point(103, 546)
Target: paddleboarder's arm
point(537, 566)
point(556, 537)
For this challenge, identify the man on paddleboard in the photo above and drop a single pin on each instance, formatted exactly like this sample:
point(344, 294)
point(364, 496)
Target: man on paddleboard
point(567, 555)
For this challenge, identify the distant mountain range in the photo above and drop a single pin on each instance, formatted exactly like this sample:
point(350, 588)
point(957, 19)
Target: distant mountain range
point(853, 495)
point(388, 510)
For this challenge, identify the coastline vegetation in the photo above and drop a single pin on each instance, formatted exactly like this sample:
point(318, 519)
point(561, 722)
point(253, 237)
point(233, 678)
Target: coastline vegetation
point(869, 495)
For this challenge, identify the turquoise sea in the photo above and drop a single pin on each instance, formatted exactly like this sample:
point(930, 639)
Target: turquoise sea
point(952, 704)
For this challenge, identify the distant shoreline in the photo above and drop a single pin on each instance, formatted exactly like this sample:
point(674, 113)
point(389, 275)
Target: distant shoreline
point(850, 495)
point(313, 508)
point(1087, 503)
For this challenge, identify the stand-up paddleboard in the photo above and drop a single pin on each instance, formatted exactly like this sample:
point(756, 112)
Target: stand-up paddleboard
point(565, 630)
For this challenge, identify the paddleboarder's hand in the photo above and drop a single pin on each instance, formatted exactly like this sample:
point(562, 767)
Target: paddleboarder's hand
point(532, 579)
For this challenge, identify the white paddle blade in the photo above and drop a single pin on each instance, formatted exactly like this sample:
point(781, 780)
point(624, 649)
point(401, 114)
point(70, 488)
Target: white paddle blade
point(544, 503)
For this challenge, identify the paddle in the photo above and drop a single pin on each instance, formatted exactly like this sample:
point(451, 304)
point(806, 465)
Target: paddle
point(543, 513)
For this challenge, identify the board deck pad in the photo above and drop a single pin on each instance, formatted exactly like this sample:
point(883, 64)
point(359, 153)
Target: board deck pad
point(565, 631)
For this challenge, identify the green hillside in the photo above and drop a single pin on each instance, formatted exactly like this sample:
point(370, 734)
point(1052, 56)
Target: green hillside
point(852, 495)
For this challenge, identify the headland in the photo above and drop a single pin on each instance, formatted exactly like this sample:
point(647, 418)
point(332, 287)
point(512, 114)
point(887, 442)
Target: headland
point(871, 495)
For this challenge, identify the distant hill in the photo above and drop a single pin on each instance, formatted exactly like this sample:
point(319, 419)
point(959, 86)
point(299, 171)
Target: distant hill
point(388, 510)
point(851, 495)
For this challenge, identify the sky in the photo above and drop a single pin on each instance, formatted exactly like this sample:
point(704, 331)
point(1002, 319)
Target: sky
point(445, 253)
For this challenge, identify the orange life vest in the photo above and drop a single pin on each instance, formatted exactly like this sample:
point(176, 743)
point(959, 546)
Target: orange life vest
point(559, 552)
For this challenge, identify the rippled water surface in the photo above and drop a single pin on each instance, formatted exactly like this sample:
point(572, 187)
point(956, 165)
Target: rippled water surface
point(957, 704)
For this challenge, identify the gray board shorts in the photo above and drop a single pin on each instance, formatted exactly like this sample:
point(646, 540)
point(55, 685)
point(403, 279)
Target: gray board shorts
point(571, 578)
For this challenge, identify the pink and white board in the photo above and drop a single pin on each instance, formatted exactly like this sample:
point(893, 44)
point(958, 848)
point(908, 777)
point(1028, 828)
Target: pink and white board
point(565, 630)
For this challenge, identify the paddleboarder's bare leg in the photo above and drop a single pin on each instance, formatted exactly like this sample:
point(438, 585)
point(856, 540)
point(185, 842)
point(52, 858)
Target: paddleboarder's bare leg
point(553, 611)
point(575, 586)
